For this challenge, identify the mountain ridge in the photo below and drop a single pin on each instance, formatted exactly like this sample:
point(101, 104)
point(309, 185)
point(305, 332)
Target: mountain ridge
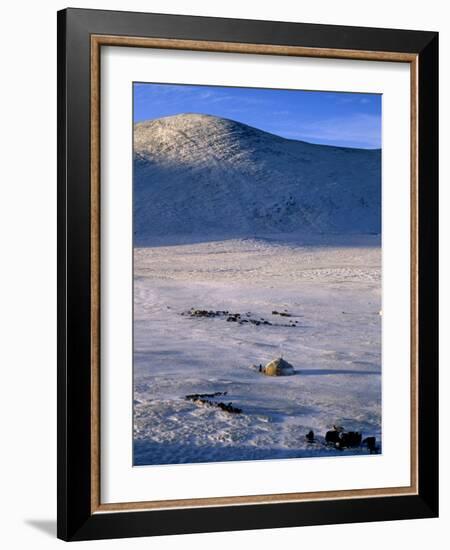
point(205, 118)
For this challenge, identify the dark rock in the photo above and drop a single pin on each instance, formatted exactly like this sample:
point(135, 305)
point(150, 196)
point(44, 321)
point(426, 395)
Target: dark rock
point(350, 439)
point(332, 436)
point(206, 399)
point(371, 443)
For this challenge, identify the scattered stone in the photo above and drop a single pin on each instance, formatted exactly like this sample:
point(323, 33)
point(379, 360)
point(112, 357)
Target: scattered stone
point(332, 436)
point(205, 399)
point(204, 313)
point(341, 439)
point(237, 317)
point(195, 396)
point(350, 439)
point(229, 408)
point(282, 313)
point(371, 443)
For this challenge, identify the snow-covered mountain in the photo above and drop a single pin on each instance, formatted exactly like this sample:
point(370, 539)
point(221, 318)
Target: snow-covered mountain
point(207, 176)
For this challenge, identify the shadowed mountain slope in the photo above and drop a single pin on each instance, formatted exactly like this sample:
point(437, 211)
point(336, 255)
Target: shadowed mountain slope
point(207, 176)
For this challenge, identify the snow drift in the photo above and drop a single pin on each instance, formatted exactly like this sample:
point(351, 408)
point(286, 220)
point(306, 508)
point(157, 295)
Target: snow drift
point(207, 176)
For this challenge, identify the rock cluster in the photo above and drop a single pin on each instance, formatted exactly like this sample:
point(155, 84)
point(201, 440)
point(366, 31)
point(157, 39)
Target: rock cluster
point(239, 318)
point(207, 399)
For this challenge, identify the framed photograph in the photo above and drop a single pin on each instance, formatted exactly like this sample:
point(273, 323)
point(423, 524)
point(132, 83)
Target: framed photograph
point(247, 274)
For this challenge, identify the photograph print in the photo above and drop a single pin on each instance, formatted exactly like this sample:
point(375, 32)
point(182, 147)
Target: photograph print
point(256, 274)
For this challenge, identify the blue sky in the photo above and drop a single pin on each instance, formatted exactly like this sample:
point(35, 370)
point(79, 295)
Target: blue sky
point(331, 118)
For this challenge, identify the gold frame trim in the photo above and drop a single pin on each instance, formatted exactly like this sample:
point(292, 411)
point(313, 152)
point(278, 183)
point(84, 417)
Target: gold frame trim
point(97, 41)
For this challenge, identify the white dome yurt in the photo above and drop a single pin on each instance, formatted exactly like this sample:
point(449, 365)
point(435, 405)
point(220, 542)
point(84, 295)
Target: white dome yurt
point(278, 367)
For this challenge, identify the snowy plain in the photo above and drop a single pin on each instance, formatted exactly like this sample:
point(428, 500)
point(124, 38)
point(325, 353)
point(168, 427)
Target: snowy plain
point(331, 288)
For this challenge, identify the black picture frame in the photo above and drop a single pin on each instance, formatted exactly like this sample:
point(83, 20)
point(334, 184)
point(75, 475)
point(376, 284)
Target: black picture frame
point(76, 520)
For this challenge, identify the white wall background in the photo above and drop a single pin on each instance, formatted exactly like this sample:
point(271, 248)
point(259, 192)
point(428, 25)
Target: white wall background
point(28, 270)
